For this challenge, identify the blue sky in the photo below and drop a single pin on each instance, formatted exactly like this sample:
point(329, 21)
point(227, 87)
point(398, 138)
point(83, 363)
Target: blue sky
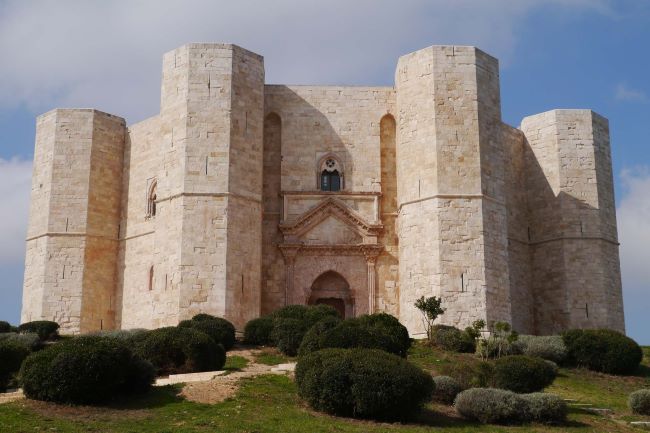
point(553, 54)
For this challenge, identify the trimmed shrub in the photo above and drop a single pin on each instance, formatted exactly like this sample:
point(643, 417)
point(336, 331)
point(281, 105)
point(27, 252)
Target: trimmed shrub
point(291, 323)
point(602, 350)
point(491, 406)
point(498, 406)
point(46, 329)
point(313, 339)
point(174, 350)
point(469, 375)
point(121, 334)
point(288, 334)
point(83, 370)
point(258, 331)
point(362, 383)
point(30, 341)
point(12, 354)
point(220, 330)
point(550, 347)
point(446, 389)
point(5, 327)
point(375, 331)
point(522, 374)
point(545, 408)
point(639, 402)
point(453, 339)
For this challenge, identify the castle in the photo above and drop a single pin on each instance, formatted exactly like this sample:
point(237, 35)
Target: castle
point(241, 197)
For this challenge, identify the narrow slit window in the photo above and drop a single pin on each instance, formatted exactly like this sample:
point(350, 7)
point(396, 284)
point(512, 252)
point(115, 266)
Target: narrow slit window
point(151, 278)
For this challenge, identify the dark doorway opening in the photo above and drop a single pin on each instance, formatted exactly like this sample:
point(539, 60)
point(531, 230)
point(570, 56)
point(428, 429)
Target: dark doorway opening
point(337, 303)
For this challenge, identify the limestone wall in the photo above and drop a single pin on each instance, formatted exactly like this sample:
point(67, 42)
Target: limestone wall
point(573, 230)
point(451, 198)
point(74, 220)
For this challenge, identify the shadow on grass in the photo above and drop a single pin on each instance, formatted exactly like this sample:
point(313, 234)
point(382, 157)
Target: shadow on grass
point(157, 396)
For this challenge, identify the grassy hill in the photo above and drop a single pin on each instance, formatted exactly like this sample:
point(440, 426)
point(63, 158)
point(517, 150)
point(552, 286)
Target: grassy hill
point(269, 403)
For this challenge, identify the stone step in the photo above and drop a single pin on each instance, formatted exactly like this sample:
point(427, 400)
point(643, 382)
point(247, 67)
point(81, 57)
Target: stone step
point(189, 377)
point(599, 410)
point(284, 367)
point(642, 424)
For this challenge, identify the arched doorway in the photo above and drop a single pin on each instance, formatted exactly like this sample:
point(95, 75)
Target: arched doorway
point(330, 288)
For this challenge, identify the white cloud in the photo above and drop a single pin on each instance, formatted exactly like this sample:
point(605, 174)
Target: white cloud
point(633, 217)
point(624, 93)
point(108, 54)
point(15, 185)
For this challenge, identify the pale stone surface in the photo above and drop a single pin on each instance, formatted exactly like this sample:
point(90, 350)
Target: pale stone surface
point(438, 197)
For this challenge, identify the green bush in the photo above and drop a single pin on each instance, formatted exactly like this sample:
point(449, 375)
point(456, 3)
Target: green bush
point(498, 406)
point(545, 408)
point(522, 374)
point(84, 370)
point(375, 331)
point(550, 347)
point(453, 339)
point(220, 330)
point(639, 402)
point(288, 334)
point(362, 383)
point(258, 331)
point(174, 350)
point(313, 339)
point(602, 350)
point(446, 389)
point(291, 323)
point(30, 341)
point(469, 375)
point(5, 327)
point(46, 330)
point(121, 334)
point(491, 406)
point(12, 355)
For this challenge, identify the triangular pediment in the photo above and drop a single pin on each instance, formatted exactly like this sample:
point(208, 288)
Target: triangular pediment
point(331, 231)
point(330, 208)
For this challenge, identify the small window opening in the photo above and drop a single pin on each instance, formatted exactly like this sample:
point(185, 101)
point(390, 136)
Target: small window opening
point(330, 175)
point(151, 278)
point(152, 196)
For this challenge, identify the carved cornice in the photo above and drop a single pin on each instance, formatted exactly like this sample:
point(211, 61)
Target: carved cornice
point(330, 207)
point(369, 251)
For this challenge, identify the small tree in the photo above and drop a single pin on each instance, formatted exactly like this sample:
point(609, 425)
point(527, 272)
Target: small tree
point(430, 308)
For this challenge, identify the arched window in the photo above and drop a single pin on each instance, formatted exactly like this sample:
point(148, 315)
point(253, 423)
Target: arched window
point(331, 174)
point(151, 199)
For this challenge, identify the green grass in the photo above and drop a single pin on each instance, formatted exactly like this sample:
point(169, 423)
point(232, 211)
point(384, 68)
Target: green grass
point(235, 363)
point(271, 357)
point(270, 404)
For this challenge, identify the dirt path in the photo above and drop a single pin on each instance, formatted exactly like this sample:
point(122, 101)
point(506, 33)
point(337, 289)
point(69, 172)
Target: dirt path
point(223, 387)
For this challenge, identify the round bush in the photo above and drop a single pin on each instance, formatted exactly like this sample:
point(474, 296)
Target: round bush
point(550, 347)
point(12, 354)
point(475, 374)
point(121, 334)
point(288, 334)
point(362, 383)
point(312, 341)
point(220, 330)
point(522, 374)
point(545, 408)
point(491, 406)
point(453, 339)
point(258, 331)
point(31, 342)
point(291, 323)
point(174, 350)
point(446, 389)
point(46, 329)
point(375, 331)
point(5, 327)
point(602, 350)
point(83, 370)
point(639, 402)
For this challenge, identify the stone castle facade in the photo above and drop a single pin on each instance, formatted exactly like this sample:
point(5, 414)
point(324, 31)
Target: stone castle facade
point(241, 197)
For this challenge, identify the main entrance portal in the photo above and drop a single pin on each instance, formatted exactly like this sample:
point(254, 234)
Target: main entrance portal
point(330, 288)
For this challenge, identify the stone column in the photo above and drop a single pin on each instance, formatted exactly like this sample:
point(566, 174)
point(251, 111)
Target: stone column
point(371, 260)
point(289, 253)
